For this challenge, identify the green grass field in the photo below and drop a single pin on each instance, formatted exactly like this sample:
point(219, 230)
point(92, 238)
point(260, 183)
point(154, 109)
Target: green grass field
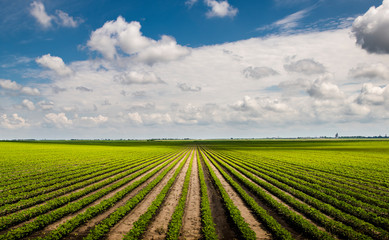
point(221, 189)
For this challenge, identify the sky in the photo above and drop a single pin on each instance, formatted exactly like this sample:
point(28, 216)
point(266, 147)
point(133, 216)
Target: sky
point(112, 69)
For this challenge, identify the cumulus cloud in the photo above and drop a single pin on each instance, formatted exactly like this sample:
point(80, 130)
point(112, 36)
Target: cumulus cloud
point(190, 3)
point(13, 122)
point(58, 120)
point(321, 88)
point(187, 88)
point(259, 72)
point(54, 63)
point(93, 121)
point(39, 13)
point(372, 29)
point(373, 95)
point(220, 9)
point(11, 85)
point(134, 77)
point(124, 36)
point(305, 66)
point(28, 104)
point(149, 119)
point(370, 71)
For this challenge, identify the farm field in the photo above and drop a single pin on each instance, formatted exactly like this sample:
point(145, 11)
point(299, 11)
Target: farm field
point(262, 189)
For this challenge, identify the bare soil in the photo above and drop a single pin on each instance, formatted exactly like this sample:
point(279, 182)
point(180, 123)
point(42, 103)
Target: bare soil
point(191, 223)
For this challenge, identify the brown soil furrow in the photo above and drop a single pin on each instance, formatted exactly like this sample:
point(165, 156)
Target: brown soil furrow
point(158, 227)
point(191, 223)
point(68, 217)
point(125, 225)
point(254, 224)
point(224, 227)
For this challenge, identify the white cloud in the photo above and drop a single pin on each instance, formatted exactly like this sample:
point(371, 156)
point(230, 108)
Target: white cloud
point(371, 30)
point(305, 66)
point(120, 35)
point(292, 20)
point(289, 22)
point(321, 88)
point(8, 84)
point(65, 20)
point(93, 121)
point(220, 9)
point(38, 11)
point(28, 104)
point(259, 72)
point(11, 85)
point(127, 78)
point(135, 118)
point(370, 71)
point(371, 94)
point(13, 122)
point(58, 120)
point(54, 63)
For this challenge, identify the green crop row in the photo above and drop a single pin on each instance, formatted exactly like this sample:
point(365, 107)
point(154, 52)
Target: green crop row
point(342, 205)
point(176, 220)
point(45, 219)
point(244, 229)
point(331, 225)
point(208, 226)
point(98, 231)
point(140, 226)
point(274, 227)
point(7, 209)
point(328, 189)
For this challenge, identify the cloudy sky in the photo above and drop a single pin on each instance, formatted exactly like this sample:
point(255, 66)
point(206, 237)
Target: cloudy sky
point(199, 69)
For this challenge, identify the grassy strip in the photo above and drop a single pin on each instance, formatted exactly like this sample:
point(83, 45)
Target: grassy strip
point(244, 229)
point(208, 227)
point(104, 226)
point(44, 220)
point(176, 221)
point(332, 226)
point(275, 228)
point(141, 224)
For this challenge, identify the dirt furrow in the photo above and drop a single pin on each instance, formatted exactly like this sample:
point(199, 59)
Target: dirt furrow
point(158, 227)
point(223, 226)
point(254, 224)
point(191, 225)
point(125, 225)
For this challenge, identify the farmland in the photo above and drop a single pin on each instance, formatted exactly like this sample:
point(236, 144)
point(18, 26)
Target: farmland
point(263, 189)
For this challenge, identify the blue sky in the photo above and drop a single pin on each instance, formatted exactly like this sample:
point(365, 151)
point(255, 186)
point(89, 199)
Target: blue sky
point(205, 68)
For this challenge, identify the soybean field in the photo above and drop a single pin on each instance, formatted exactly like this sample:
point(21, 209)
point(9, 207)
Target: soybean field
point(225, 189)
